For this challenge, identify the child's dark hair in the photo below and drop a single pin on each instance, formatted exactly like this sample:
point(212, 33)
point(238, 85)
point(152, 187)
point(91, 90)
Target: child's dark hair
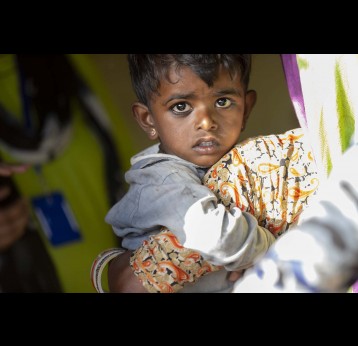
point(147, 70)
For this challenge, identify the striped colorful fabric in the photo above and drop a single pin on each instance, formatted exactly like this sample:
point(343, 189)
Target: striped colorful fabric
point(324, 92)
point(322, 89)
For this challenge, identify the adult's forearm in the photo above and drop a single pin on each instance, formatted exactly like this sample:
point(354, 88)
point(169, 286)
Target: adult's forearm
point(121, 278)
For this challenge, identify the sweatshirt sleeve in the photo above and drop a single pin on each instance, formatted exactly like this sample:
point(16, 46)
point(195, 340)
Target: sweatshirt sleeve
point(231, 238)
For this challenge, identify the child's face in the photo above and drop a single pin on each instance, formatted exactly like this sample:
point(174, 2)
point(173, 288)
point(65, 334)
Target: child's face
point(196, 122)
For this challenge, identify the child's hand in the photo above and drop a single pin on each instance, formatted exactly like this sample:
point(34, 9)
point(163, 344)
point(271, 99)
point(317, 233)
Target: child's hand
point(7, 169)
point(236, 275)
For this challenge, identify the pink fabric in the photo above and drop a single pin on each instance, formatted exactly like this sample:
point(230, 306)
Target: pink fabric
point(292, 75)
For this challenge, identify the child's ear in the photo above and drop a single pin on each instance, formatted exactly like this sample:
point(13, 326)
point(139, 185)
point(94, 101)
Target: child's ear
point(250, 100)
point(145, 120)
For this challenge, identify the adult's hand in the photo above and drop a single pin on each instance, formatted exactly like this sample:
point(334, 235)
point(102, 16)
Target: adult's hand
point(13, 219)
point(7, 169)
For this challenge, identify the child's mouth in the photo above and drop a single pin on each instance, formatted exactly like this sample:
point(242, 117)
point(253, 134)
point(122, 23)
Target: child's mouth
point(206, 147)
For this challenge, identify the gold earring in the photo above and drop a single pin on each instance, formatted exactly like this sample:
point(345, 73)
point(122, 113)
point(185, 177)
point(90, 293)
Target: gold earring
point(153, 132)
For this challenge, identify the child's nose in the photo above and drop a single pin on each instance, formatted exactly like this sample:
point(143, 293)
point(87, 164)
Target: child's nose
point(205, 120)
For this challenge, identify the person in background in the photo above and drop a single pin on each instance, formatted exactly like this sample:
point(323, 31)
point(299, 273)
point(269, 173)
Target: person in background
point(51, 119)
point(25, 265)
point(14, 210)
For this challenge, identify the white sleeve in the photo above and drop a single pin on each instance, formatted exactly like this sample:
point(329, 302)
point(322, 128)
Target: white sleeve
point(230, 238)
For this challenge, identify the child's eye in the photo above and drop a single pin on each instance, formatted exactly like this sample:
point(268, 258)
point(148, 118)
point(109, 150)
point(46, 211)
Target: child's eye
point(181, 107)
point(223, 103)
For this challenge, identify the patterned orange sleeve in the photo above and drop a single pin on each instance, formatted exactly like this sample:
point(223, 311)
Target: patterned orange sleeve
point(271, 177)
point(163, 265)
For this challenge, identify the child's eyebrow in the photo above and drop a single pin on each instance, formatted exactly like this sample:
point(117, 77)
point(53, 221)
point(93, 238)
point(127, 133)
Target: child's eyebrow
point(230, 91)
point(179, 96)
point(192, 95)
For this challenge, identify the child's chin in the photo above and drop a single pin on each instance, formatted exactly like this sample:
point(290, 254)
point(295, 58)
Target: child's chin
point(208, 162)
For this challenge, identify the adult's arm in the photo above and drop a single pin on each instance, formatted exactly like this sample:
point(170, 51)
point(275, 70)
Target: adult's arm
point(7, 169)
point(121, 278)
point(14, 212)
